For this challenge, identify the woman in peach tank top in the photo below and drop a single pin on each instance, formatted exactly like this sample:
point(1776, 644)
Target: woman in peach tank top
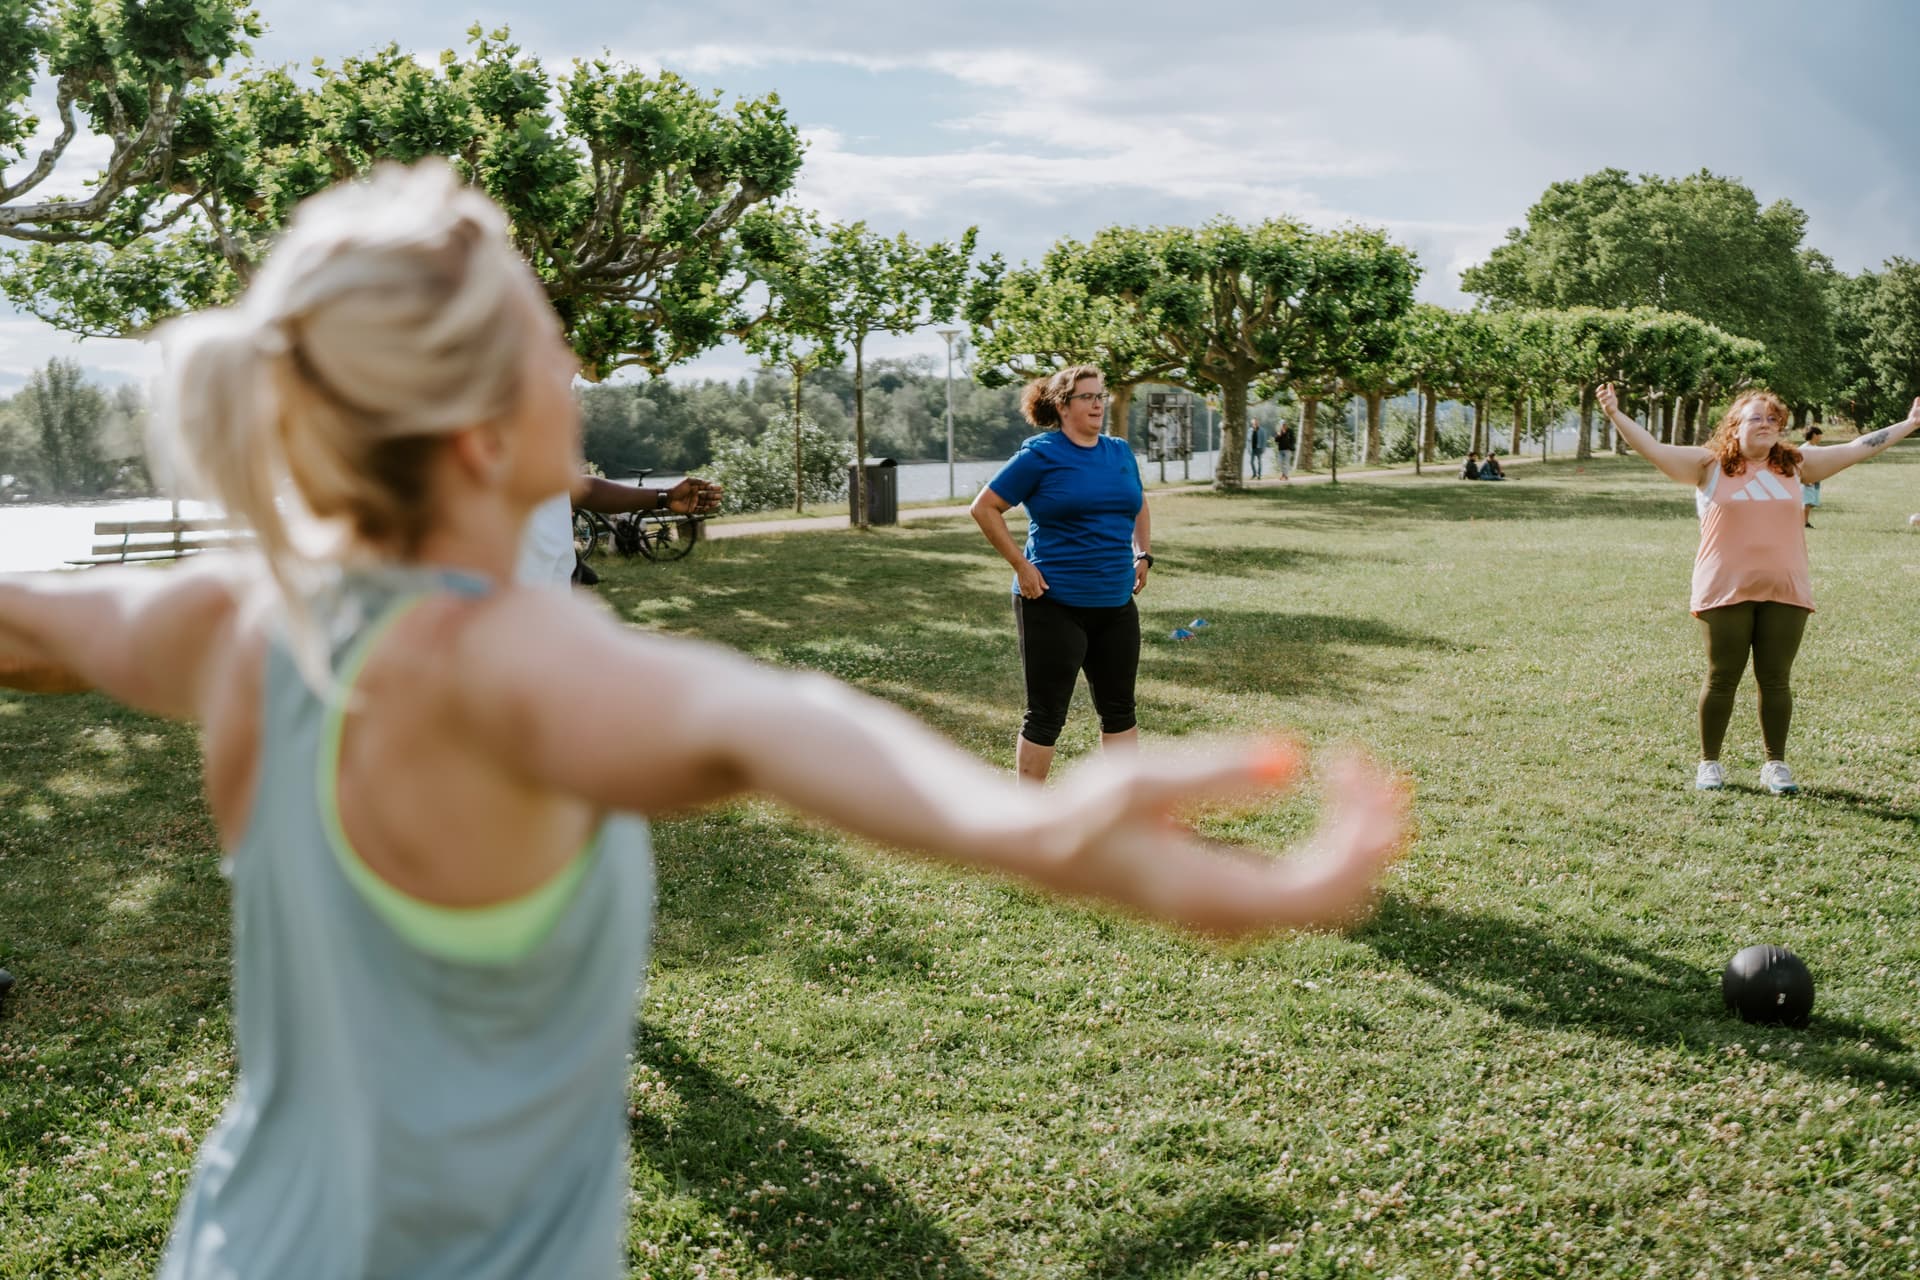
point(1751, 587)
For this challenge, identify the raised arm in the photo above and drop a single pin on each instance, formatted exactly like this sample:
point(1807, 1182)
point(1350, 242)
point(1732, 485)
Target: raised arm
point(147, 637)
point(636, 722)
point(1818, 463)
point(1686, 463)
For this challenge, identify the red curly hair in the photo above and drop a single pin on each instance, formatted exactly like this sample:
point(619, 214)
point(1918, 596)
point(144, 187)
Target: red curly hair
point(1724, 443)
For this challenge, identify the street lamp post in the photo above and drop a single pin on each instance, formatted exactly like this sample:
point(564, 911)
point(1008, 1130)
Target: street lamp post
point(950, 335)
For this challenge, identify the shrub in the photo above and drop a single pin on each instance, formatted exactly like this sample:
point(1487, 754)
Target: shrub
point(758, 474)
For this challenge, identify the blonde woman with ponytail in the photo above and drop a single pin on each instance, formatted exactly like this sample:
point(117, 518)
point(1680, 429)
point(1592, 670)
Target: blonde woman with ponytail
point(441, 883)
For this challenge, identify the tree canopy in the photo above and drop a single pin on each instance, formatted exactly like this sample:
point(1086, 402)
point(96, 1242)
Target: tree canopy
point(123, 72)
point(1702, 245)
point(1226, 305)
point(622, 189)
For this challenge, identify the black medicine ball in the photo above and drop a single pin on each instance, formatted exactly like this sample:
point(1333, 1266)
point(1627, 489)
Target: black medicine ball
point(1768, 984)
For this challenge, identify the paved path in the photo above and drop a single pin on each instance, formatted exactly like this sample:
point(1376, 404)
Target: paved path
point(837, 523)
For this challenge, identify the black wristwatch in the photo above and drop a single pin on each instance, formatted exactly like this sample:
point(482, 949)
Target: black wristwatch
point(1144, 556)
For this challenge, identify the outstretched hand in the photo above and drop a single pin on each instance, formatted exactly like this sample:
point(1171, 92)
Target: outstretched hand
point(1132, 850)
point(694, 497)
point(1609, 400)
point(1913, 414)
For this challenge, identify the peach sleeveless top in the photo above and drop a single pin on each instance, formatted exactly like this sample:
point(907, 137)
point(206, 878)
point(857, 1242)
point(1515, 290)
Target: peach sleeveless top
point(1752, 545)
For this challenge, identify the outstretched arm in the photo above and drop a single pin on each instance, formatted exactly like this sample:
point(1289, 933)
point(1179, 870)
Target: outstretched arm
point(692, 496)
point(1818, 463)
point(1686, 463)
point(146, 637)
point(716, 724)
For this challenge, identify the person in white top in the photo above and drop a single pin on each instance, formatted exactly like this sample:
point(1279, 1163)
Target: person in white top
point(546, 546)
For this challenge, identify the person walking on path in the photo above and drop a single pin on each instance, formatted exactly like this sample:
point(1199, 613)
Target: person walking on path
point(1256, 445)
point(442, 887)
point(1752, 588)
point(1283, 444)
point(1089, 550)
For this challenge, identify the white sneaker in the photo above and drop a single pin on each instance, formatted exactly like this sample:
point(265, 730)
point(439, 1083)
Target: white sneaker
point(1777, 778)
point(1709, 776)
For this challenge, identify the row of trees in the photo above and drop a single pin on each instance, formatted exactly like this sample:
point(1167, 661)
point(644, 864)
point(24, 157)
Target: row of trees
point(651, 212)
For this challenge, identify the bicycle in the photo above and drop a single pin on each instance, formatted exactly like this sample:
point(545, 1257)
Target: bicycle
point(660, 535)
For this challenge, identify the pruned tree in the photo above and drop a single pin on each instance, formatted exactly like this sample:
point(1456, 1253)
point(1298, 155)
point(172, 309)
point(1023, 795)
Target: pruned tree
point(123, 73)
point(1030, 321)
point(796, 331)
point(1227, 305)
point(622, 188)
point(849, 283)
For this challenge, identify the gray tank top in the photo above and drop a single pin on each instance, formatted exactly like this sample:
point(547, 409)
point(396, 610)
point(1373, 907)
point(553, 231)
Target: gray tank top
point(397, 1113)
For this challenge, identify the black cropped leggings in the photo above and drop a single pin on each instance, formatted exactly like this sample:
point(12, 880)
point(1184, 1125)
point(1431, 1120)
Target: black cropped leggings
point(1771, 632)
point(1057, 643)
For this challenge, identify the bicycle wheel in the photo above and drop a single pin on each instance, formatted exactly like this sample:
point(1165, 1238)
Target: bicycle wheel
point(591, 533)
point(628, 536)
point(669, 537)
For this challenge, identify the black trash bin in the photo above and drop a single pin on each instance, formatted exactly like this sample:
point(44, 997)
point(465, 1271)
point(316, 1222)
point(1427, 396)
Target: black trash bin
point(883, 493)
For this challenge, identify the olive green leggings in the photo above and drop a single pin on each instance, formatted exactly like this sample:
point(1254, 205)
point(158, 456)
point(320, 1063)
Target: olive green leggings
point(1771, 632)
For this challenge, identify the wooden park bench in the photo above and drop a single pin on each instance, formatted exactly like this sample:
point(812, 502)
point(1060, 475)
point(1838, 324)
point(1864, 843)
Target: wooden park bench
point(136, 541)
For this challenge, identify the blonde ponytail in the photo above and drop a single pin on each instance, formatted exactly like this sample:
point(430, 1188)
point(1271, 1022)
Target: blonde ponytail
point(391, 314)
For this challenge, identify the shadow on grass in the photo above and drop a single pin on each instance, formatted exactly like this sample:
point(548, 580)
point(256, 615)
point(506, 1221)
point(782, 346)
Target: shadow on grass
point(114, 908)
point(1556, 495)
point(816, 1209)
point(729, 880)
point(1183, 1238)
point(1870, 806)
point(1609, 986)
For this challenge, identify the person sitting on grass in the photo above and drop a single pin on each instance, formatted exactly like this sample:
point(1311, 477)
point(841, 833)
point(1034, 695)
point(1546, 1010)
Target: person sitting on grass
point(1470, 469)
point(427, 777)
point(1490, 469)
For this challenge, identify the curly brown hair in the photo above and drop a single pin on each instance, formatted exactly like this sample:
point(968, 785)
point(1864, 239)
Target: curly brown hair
point(1044, 397)
point(1724, 443)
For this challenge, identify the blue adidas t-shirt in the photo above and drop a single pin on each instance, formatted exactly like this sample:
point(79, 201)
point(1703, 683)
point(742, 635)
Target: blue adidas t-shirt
point(1081, 503)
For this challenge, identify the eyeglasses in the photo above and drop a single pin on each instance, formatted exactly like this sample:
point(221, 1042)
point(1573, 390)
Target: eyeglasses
point(1104, 397)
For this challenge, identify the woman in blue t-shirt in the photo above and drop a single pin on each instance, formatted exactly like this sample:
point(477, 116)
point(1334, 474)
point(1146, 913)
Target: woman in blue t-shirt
point(1088, 553)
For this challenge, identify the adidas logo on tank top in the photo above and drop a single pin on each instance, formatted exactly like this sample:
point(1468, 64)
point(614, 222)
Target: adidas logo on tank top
point(1764, 487)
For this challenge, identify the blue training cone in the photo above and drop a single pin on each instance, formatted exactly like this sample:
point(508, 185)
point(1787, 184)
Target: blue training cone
point(1198, 623)
point(1181, 633)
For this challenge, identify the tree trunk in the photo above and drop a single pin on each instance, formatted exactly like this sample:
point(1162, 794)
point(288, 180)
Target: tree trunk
point(1373, 399)
point(859, 508)
point(1430, 426)
point(799, 464)
point(1482, 429)
point(1689, 418)
point(1666, 419)
point(1519, 425)
point(1303, 439)
point(1233, 434)
point(1799, 417)
point(1117, 411)
point(1584, 449)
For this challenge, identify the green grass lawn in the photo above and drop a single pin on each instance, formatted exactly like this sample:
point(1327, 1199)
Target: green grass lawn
point(850, 1066)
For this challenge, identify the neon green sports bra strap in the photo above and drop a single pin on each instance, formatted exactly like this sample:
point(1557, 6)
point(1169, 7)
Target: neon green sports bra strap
point(499, 933)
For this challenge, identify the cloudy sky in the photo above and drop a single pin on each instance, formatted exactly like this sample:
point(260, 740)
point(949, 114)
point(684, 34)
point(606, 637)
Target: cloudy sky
point(1441, 121)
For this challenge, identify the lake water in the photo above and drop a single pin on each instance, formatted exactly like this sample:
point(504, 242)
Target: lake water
point(34, 536)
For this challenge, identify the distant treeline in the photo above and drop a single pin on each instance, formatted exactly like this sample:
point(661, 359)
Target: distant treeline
point(62, 436)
